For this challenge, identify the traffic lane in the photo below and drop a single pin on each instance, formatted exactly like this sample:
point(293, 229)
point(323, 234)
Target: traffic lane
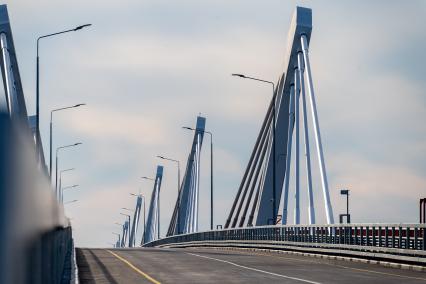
point(178, 266)
point(320, 270)
point(100, 266)
point(221, 266)
point(209, 268)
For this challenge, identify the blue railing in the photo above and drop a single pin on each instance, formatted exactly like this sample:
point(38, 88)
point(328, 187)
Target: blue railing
point(346, 236)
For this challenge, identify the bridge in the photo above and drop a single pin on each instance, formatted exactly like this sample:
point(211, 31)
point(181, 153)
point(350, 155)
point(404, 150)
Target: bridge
point(257, 241)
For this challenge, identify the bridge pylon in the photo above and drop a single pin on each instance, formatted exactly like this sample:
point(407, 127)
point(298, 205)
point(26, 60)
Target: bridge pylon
point(152, 229)
point(185, 214)
point(255, 203)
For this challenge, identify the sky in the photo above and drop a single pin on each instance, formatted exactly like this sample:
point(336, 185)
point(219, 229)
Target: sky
point(147, 68)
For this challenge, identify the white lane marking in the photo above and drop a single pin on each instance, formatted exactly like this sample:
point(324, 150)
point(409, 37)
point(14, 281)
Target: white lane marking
point(255, 269)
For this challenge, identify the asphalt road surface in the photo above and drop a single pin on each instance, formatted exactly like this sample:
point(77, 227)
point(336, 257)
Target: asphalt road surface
point(152, 265)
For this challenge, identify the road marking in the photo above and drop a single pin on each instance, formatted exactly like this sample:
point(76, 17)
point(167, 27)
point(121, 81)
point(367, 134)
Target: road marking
point(134, 268)
point(255, 269)
point(337, 265)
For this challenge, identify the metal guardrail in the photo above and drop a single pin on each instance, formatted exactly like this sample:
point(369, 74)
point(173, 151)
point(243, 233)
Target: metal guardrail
point(36, 237)
point(398, 236)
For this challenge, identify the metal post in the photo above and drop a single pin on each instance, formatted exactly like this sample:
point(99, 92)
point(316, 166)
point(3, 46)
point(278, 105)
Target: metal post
point(311, 208)
point(327, 203)
point(56, 174)
point(38, 82)
point(61, 198)
point(178, 201)
point(297, 161)
point(288, 155)
point(348, 218)
point(50, 146)
point(38, 105)
point(211, 181)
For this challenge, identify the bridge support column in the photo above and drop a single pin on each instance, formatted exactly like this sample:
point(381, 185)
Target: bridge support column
point(311, 208)
point(288, 156)
point(328, 209)
point(297, 156)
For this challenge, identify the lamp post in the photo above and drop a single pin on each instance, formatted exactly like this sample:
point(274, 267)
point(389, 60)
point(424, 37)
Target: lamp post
point(178, 189)
point(348, 217)
point(51, 133)
point(143, 198)
point(61, 197)
point(274, 204)
point(57, 151)
point(211, 173)
point(38, 78)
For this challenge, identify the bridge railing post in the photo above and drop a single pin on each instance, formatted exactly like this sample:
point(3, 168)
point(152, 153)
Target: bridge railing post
point(399, 237)
point(416, 239)
point(407, 238)
point(393, 237)
point(386, 236)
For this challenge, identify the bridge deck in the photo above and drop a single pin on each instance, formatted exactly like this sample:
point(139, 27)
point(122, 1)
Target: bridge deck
point(219, 266)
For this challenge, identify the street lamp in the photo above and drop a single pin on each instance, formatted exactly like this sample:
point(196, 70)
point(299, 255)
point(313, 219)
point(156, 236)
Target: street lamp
point(178, 188)
point(66, 188)
point(348, 217)
point(274, 206)
point(57, 150)
point(143, 197)
point(51, 133)
point(61, 197)
point(148, 178)
point(69, 187)
point(38, 78)
point(72, 201)
point(211, 172)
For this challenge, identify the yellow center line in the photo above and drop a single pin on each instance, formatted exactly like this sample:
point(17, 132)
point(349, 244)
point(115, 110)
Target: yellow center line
point(134, 268)
point(337, 265)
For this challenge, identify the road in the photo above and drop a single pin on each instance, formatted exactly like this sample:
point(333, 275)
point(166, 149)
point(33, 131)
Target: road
point(151, 265)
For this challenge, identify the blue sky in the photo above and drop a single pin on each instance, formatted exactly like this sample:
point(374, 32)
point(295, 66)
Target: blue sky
point(146, 68)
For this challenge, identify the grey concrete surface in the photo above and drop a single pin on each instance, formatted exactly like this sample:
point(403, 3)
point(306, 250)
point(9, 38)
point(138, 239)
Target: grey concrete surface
point(143, 265)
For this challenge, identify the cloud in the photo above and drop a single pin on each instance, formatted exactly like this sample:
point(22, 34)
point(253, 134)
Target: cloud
point(146, 68)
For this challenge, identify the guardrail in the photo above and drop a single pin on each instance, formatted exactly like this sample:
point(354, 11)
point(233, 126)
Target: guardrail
point(394, 239)
point(36, 237)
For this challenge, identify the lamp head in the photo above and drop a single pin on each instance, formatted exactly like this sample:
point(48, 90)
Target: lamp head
point(238, 75)
point(82, 26)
